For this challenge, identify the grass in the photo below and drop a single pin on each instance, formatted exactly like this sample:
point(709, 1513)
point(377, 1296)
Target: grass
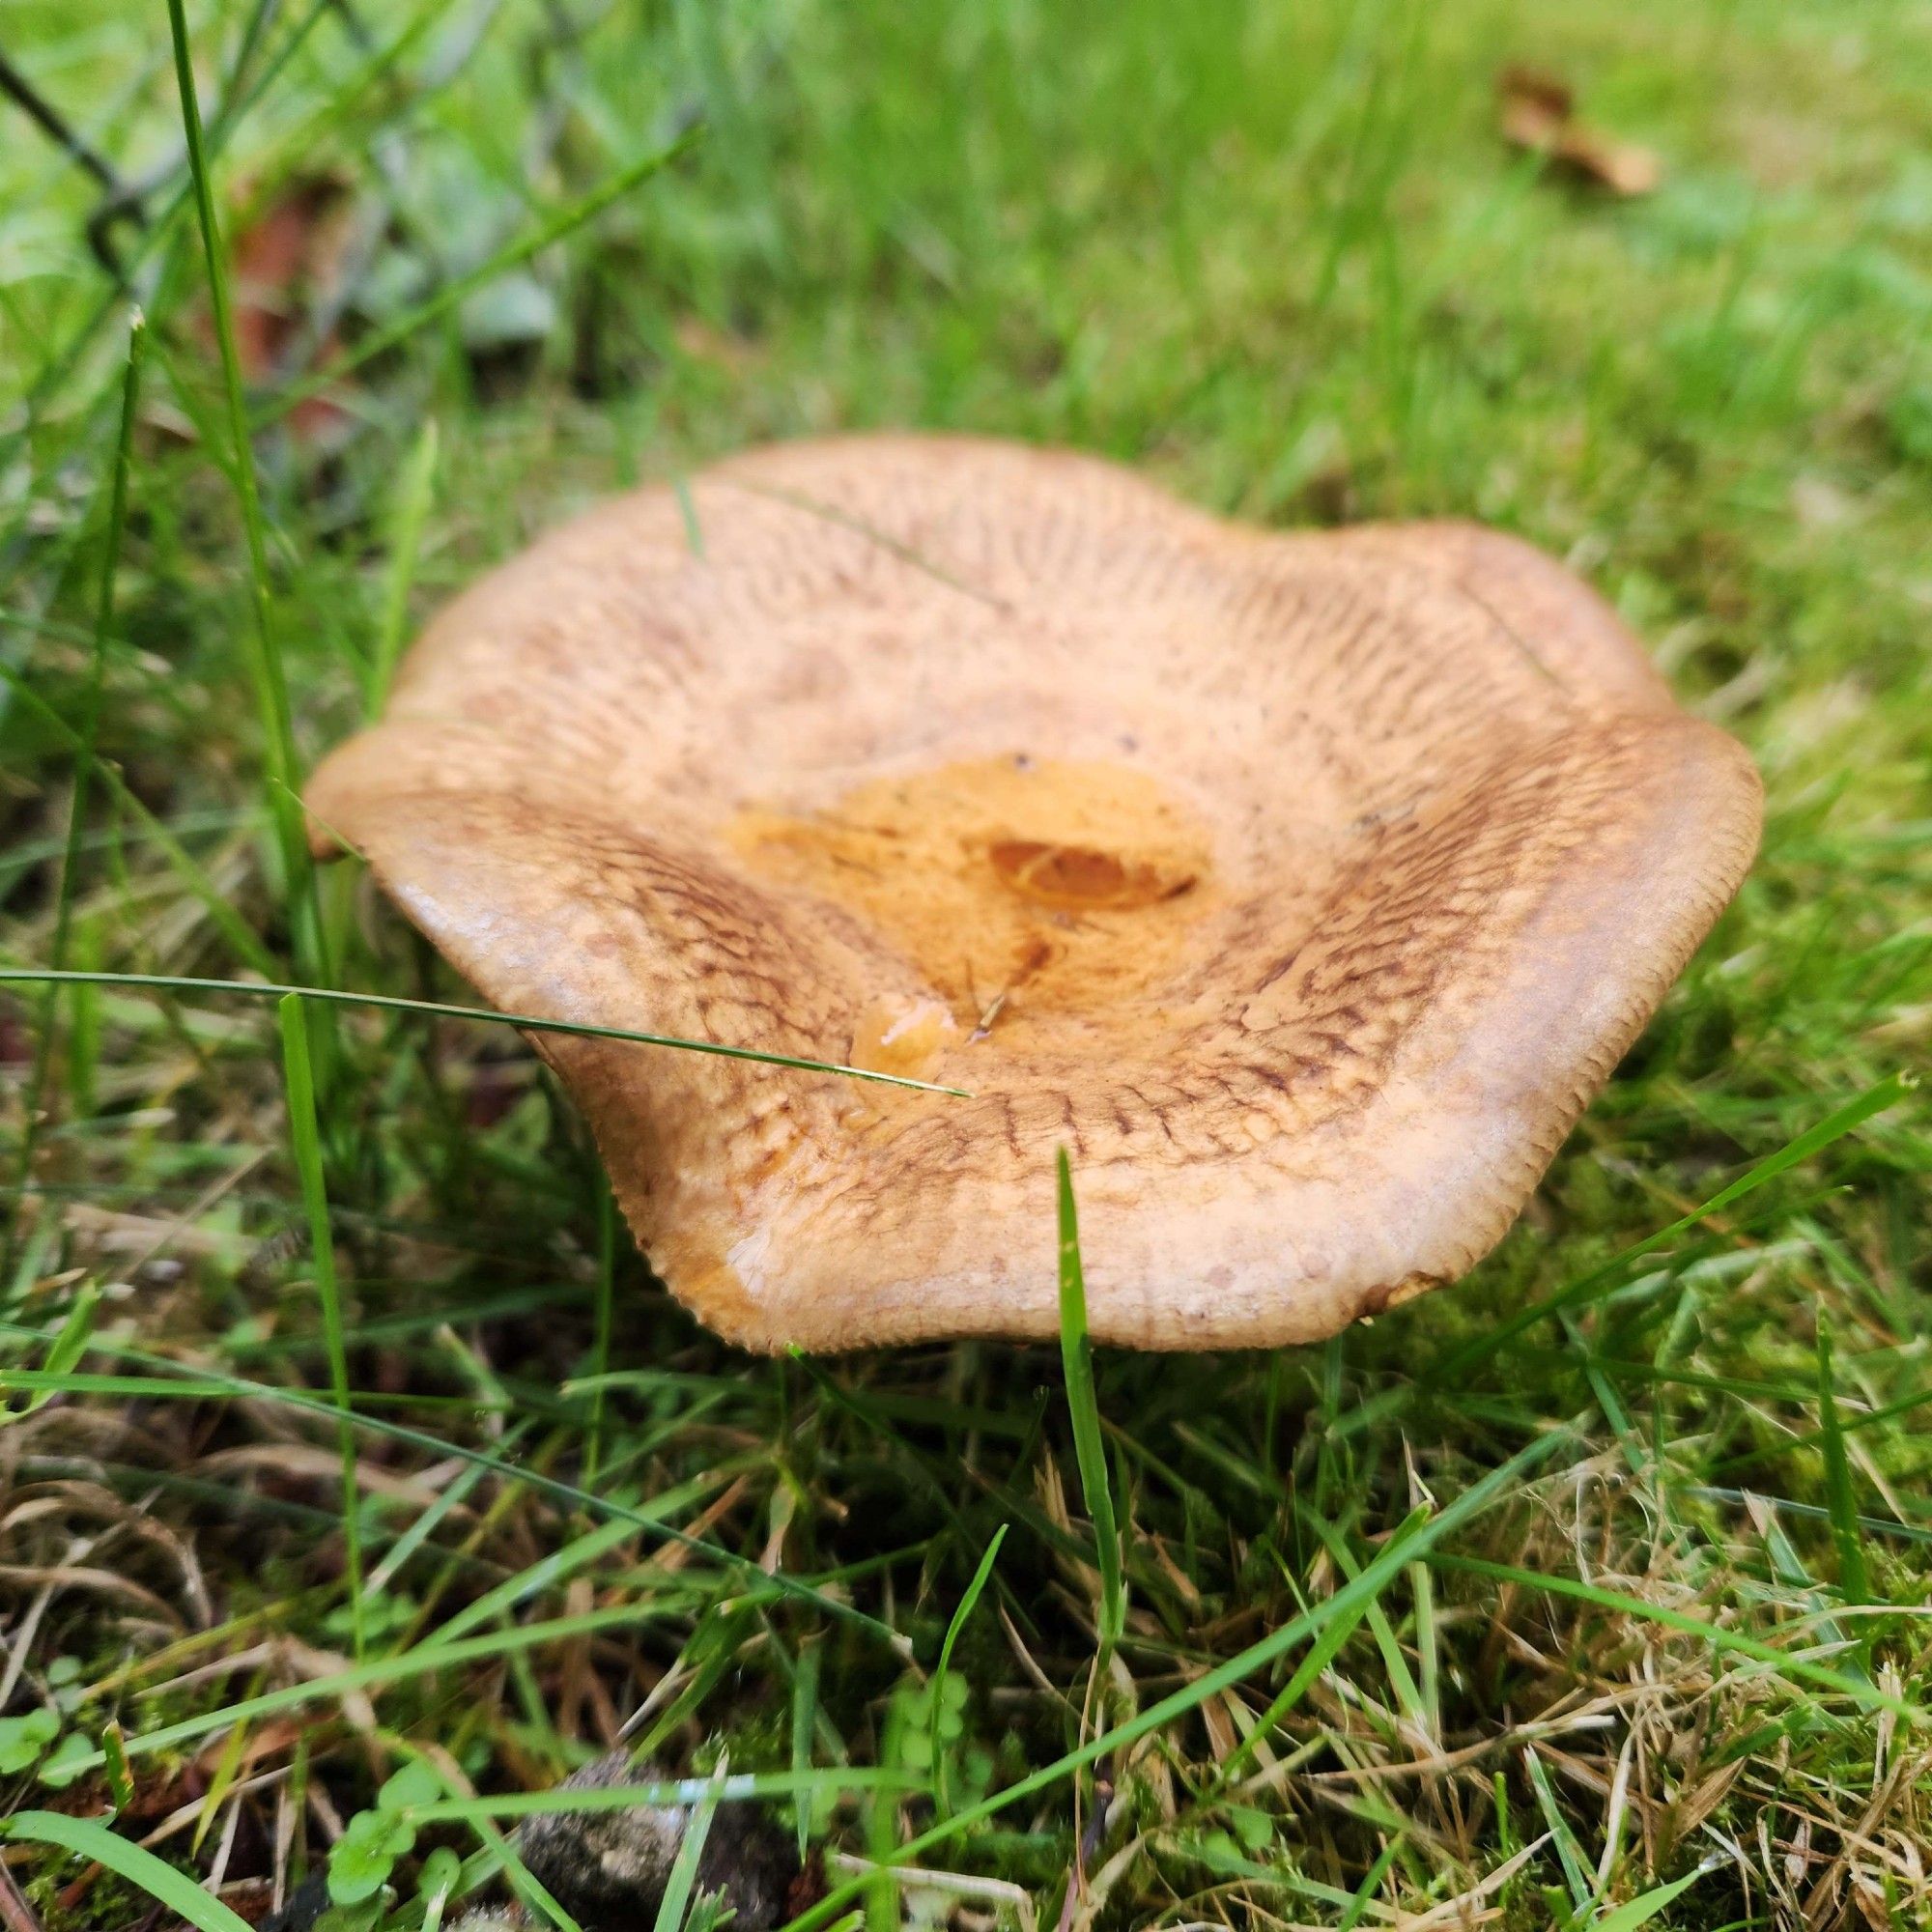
point(270, 676)
point(306, 1138)
point(1588, 1593)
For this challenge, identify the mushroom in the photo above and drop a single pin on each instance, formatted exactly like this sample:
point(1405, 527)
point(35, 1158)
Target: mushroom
point(1304, 888)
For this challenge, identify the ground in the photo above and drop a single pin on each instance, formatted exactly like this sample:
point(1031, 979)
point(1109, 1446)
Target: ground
point(1591, 1592)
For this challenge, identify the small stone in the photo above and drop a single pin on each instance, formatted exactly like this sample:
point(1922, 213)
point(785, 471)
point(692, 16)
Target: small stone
point(607, 1869)
point(304, 1905)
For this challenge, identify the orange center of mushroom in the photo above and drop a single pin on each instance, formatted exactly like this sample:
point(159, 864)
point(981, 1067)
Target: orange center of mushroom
point(1019, 891)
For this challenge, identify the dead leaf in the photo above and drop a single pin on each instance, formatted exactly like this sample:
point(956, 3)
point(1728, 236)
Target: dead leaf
point(288, 260)
point(1535, 90)
point(1222, 1736)
point(1538, 113)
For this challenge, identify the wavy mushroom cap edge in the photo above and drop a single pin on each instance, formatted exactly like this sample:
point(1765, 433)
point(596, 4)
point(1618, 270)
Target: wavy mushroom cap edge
point(1304, 887)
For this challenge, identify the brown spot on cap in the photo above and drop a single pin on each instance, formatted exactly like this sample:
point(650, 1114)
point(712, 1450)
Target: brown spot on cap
point(1304, 887)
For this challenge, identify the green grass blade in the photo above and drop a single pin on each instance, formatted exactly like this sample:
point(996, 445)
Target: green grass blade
point(305, 1132)
point(1869, 1525)
point(1076, 1355)
point(239, 93)
point(437, 1889)
point(1835, 1127)
point(454, 1493)
point(804, 1722)
point(89, 1839)
point(38, 1381)
point(1645, 1907)
point(600, 1347)
point(414, 488)
point(1428, 1648)
point(563, 1563)
point(420, 1660)
point(1569, 1854)
point(437, 1009)
point(1401, 1684)
point(114, 1764)
point(884, 1907)
point(937, 1688)
point(1854, 1577)
point(69, 1346)
point(676, 1899)
point(89, 733)
point(284, 772)
point(1371, 1881)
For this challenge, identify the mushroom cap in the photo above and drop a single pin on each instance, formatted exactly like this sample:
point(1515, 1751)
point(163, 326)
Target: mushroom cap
point(1304, 888)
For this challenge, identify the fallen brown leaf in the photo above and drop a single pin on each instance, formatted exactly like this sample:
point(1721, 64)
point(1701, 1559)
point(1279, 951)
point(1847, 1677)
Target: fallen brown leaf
point(288, 256)
point(1535, 91)
point(1538, 114)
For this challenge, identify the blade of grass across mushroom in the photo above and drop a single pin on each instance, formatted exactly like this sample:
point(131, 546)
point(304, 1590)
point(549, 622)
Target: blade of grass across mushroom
point(1413, 1540)
point(89, 736)
point(271, 691)
point(439, 1010)
point(1455, 1369)
point(173, 1380)
point(554, 228)
point(845, 520)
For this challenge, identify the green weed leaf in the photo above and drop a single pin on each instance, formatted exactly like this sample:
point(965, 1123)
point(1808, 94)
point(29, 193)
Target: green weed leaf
point(23, 1739)
point(69, 1759)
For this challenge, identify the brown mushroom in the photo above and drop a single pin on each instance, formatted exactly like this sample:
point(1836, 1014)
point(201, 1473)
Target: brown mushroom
point(1305, 888)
